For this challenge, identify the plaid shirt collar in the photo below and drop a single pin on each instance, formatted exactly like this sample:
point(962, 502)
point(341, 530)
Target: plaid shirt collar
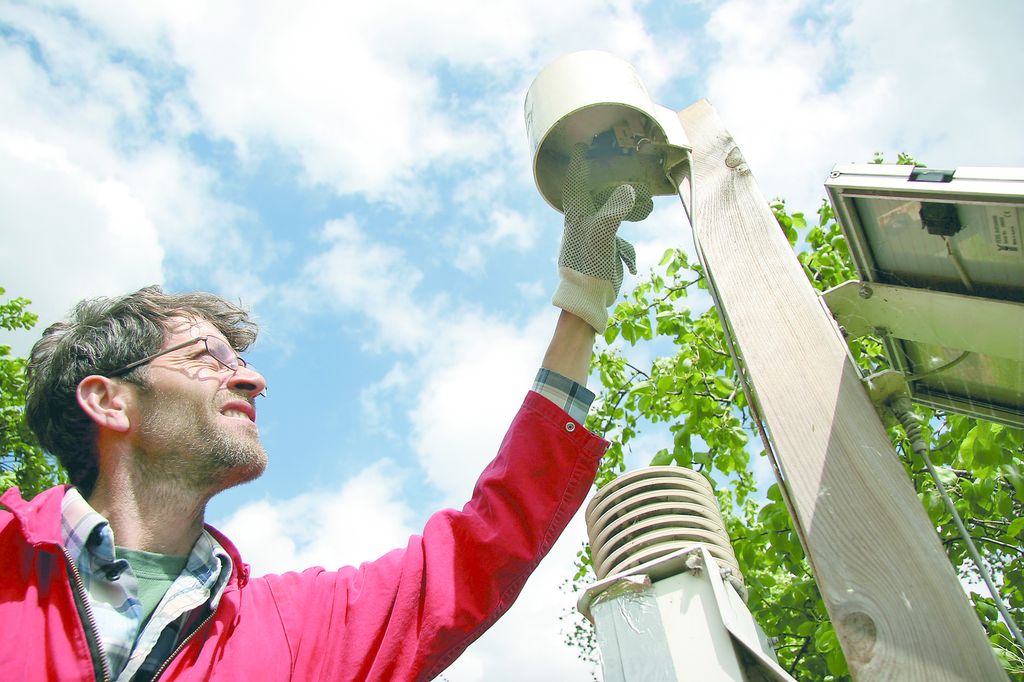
point(112, 588)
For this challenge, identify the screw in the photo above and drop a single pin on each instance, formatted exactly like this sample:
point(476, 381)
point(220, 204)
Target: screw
point(866, 292)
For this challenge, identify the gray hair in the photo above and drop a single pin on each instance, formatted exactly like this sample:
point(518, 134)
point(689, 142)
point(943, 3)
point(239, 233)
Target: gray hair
point(100, 336)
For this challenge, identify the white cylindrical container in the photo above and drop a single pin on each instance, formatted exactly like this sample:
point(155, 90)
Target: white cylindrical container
point(599, 98)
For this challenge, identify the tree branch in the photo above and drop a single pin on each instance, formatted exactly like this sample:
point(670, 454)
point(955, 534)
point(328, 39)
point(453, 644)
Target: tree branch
point(957, 538)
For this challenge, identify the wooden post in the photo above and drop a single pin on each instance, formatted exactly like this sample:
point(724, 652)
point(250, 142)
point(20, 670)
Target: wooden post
point(889, 588)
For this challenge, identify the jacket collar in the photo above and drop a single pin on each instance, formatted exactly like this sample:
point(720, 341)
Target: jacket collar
point(239, 570)
point(39, 518)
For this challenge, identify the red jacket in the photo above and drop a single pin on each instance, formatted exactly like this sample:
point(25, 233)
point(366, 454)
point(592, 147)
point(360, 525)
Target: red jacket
point(406, 616)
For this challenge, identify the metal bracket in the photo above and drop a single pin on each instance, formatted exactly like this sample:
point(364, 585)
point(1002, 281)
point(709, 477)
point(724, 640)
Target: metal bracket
point(966, 323)
point(883, 388)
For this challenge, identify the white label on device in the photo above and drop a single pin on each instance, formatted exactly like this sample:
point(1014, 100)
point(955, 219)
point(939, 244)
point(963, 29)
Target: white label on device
point(1004, 226)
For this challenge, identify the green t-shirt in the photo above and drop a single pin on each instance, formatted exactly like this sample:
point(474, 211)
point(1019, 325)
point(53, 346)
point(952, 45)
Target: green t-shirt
point(155, 573)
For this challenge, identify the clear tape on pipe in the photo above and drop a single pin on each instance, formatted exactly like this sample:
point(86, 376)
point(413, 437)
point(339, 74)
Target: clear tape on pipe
point(630, 633)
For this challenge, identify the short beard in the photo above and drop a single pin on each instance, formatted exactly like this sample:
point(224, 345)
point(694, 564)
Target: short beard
point(183, 450)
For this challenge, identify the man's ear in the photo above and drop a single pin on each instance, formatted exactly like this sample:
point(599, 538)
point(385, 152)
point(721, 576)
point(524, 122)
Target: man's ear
point(106, 401)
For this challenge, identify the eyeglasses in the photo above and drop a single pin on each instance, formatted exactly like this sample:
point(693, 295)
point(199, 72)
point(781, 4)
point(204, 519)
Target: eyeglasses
point(218, 350)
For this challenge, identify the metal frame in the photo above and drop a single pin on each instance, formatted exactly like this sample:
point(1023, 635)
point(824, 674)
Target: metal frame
point(932, 313)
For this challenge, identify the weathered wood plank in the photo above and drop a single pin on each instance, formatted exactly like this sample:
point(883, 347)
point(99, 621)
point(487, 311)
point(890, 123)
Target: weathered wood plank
point(890, 590)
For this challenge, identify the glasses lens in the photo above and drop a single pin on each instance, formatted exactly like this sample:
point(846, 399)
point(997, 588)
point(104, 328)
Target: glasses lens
point(222, 352)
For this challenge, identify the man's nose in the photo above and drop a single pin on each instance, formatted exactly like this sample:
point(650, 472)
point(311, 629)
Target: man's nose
point(248, 380)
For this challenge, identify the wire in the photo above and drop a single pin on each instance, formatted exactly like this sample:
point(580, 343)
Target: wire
point(912, 427)
point(949, 365)
point(958, 263)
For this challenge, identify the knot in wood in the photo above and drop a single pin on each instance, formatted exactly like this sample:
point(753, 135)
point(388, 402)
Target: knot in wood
point(858, 635)
point(735, 158)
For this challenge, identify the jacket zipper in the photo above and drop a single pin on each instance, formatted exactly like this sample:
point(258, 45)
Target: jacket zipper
point(177, 650)
point(92, 635)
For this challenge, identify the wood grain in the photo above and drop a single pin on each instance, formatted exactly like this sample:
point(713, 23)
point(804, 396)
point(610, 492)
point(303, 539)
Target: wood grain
point(889, 588)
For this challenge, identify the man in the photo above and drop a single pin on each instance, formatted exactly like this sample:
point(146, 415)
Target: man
point(148, 405)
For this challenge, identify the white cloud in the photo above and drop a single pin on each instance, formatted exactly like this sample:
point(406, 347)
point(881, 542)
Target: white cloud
point(362, 97)
point(478, 372)
point(504, 228)
point(804, 87)
point(68, 234)
point(376, 400)
point(534, 289)
point(512, 226)
point(95, 202)
point(355, 273)
point(361, 521)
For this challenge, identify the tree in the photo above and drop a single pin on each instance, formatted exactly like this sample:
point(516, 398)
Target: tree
point(694, 394)
point(22, 462)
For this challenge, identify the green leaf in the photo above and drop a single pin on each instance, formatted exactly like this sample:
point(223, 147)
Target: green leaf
point(740, 437)
point(825, 638)
point(663, 458)
point(628, 330)
point(947, 476)
point(1013, 474)
point(643, 387)
point(988, 456)
point(839, 244)
point(837, 663)
point(933, 504)
point(723, 387)
point(967, 447)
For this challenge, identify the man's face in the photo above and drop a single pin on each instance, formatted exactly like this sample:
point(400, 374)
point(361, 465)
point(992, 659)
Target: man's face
point(196, 421)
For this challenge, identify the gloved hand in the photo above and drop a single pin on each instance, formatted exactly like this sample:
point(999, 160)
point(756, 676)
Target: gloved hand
point(592, 254)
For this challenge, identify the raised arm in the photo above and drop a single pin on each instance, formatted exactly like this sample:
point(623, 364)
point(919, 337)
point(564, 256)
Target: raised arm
point(570, 348)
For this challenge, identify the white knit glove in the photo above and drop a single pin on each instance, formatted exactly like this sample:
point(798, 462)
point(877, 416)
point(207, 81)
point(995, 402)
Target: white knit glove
point(592, 254)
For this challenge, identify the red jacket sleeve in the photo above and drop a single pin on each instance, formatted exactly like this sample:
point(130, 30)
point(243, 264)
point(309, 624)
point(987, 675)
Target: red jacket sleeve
point(409, 614)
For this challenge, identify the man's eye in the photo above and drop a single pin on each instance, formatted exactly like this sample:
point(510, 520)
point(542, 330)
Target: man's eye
point(206, 358)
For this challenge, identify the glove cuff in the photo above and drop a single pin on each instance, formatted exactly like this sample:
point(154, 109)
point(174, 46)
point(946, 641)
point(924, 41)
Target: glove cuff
point(584, 296)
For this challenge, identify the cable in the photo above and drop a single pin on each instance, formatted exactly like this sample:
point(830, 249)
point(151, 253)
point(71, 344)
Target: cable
point(949, 365)
point(912, 427)
point(958, 263)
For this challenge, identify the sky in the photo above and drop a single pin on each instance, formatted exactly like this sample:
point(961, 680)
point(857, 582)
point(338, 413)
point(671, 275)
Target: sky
point(359, 175)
